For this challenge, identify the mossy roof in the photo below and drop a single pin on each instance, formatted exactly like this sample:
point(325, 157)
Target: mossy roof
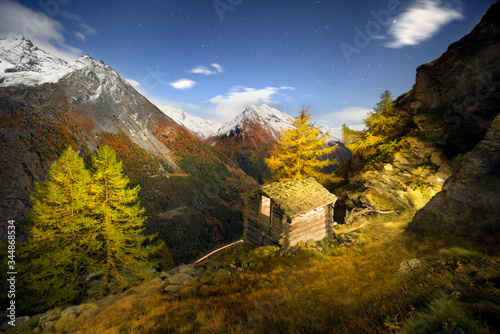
point(297, 196)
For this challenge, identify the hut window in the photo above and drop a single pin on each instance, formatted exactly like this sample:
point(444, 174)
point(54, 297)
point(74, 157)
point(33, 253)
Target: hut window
point(265, 206)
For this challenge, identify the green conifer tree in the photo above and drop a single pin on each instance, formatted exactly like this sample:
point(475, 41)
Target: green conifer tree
point(298, 152)
point(122, 256)
point(57, 254)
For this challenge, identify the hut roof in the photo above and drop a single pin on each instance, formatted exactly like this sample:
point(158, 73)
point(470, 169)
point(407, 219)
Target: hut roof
point(297, 196)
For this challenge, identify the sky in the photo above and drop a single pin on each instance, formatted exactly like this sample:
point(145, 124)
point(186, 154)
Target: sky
point(212, 58)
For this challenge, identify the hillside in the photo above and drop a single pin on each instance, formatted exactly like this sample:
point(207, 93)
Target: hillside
point(189, 190)
point(374, 279)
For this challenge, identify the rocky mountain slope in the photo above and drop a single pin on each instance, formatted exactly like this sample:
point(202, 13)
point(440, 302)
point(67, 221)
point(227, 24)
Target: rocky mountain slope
point(22, 63)
point(446, 114)
point(89, 105)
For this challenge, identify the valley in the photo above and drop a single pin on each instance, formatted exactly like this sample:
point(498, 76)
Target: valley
point(428, 159)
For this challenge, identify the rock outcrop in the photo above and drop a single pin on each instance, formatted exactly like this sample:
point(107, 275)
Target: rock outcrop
point(470, 200)
point(446, 114)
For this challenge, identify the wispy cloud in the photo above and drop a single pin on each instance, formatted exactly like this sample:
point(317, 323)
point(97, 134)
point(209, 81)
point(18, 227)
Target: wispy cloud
point(421, 21)
point(84, 28)
point(44, 31)
point(238, 98)
point(206, 71)
point(79, 35)
point(183, 84)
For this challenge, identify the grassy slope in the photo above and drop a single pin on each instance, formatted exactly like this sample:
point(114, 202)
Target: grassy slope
point(343, 290)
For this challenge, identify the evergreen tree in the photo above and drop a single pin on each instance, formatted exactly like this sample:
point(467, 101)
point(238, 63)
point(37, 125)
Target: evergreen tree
point(379, 138)
point(161, 255)
point(61, 235)
point(122, 258)
point(298, 152)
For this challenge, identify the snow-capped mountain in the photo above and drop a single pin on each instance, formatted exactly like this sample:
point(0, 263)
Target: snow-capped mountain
point(89, 91)
point(201, 127)
point(270, 119)
point(21, 62)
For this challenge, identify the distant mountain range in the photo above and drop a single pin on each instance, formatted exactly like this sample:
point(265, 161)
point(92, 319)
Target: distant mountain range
point(272, 121)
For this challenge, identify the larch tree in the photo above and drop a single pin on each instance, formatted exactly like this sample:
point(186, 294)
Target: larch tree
point(61, 236)
point(380, 136)
point(122, 256)
point(301, 152)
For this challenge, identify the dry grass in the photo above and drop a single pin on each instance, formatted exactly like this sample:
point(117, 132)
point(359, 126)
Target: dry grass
point(345, 290)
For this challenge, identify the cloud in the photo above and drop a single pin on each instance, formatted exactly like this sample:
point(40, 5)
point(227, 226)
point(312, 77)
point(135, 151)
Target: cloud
point(204, 70)
point(133, 82)
point(79, 35)
point(352, 116)
point(236, 100)
point(183, 84)
point(85, 29)
point(41, 29)
point(421, 21)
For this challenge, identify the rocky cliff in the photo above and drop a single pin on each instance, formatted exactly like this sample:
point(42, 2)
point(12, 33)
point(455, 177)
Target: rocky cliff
point(469, 203)
point(446, 114)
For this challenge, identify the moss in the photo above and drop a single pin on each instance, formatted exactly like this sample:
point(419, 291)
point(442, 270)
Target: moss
point(261, 253)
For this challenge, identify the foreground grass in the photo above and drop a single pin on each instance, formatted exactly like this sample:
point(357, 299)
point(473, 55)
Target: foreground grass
point(343, 290)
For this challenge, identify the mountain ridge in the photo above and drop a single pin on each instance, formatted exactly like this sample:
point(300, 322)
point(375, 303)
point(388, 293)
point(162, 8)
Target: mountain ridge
point(89, 105)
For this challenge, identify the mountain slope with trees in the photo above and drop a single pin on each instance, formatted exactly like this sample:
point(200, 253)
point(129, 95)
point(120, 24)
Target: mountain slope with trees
point(183, 180)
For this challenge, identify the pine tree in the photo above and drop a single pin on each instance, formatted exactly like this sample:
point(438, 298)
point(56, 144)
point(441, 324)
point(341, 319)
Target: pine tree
point(61, 235)
point(298, 152)
point(121, 254)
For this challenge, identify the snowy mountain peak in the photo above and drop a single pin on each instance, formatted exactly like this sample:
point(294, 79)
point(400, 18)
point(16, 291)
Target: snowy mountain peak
point(22, 63)
point(273, 119)
point(199, 126)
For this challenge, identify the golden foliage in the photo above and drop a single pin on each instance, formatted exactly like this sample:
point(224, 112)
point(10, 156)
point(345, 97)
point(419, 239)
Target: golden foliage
point(381, 136)
point(301, 152)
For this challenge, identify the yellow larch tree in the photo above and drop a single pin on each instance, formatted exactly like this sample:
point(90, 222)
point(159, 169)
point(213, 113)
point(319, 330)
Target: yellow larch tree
point(301, 152)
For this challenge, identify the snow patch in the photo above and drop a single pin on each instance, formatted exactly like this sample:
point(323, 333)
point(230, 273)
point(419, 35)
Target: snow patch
point(199, 126)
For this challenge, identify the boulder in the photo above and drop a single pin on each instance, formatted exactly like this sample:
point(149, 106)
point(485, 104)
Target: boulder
point(180, 279)
point(70, 310)
point(172, 287)
point(408, 266)
point(189, 271)
point(221, 275)
point(19, 321)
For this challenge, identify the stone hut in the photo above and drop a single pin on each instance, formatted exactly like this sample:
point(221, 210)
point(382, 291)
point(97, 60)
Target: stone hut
point(284, 213)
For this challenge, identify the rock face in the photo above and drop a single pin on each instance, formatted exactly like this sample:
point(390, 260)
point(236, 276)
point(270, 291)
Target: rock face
point(457, 95)
point(447, 113)
point(470, 200)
